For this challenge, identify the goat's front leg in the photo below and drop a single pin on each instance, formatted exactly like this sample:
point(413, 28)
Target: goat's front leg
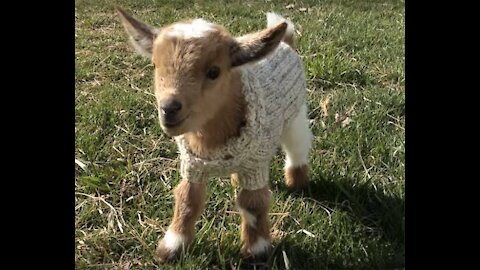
point(189, 203)
point(255, 228)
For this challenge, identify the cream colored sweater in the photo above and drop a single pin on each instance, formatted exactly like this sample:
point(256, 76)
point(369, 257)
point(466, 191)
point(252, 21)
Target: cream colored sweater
point(274, 90)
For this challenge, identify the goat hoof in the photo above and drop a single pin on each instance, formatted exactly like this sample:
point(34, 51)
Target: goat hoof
point(296, 178)
point(258, 258)
point(164, 254)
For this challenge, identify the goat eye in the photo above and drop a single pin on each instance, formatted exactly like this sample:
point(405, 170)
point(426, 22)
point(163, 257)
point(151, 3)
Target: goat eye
point(213, 72)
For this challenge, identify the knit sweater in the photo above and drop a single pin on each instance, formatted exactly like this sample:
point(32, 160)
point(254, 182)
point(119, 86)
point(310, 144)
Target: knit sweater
point(274, 90)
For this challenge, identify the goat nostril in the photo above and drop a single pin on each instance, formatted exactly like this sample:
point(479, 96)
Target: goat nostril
point(171, 106)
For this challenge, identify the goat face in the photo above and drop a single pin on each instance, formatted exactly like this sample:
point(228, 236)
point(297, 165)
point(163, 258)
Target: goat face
point(193, 66)
point(191, 75)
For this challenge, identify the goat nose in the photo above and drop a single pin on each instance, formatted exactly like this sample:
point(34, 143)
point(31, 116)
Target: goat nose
point(170, 106)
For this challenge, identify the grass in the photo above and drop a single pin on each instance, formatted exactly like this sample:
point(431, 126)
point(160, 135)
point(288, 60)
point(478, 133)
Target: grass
point(353, 52)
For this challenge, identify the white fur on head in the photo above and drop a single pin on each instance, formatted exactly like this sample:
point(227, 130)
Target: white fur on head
point(196, 29)
point(297, 140)
point(274, 19)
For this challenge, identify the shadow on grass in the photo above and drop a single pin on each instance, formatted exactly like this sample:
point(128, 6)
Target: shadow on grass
point(360, 201)
point(371, 206)
point(383, 213)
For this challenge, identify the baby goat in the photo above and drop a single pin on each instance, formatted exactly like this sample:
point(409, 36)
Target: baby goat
point(229, 102)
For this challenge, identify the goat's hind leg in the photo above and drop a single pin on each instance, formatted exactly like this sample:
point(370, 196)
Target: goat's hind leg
point(296, 143)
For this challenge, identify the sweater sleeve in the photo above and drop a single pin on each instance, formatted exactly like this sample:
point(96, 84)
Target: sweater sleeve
point(255, 177)
point(192, 171)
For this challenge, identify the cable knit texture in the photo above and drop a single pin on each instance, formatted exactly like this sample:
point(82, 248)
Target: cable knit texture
point(274, 90)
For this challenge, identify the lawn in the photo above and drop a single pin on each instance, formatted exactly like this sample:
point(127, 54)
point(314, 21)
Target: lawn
point(353, 218)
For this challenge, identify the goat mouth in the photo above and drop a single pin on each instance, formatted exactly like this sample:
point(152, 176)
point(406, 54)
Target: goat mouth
point(174, 124)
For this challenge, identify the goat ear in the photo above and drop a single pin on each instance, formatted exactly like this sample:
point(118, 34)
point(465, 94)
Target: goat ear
point(141, 35)
point(254, 46)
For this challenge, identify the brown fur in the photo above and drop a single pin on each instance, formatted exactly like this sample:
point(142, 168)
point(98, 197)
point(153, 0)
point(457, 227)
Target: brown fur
point(297, 177)
point(189, 203)
point(212, 112)
point(256, 45)
point(180, 73)
point(223, 126)
point(181, 76)
point(257, 203)
point(141, 34)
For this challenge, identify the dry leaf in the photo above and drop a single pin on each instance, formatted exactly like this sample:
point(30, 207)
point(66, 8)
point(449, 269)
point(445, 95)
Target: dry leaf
point(342, 119)
point(306, 232)
point(346, 121)
point(81, 164)
point(324, 105)
point(339, 118)
point(285, 260)
point(120, 227)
